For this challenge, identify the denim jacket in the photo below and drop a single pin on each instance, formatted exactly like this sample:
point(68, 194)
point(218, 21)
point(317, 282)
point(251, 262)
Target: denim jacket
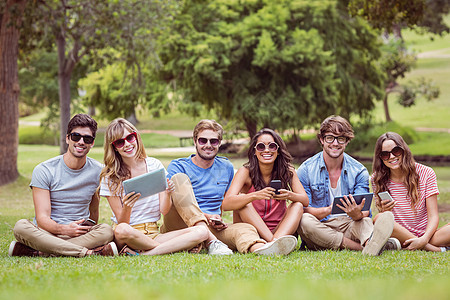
point(313, 175)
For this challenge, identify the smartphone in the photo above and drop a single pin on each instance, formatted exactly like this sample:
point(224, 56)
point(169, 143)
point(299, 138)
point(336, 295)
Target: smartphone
point(276, 184)
point(217, 221)
point(385, 196)
point(88, 222)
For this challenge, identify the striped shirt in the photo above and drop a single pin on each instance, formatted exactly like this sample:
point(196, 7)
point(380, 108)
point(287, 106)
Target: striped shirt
point(414, 221)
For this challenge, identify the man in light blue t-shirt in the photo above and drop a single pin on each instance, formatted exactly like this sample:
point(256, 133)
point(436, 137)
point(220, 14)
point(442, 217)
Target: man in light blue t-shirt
point(66, 202)
point(201, 181)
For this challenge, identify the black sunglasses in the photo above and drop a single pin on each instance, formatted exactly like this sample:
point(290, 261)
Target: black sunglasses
point(119, 143)
point(75, 136)
point(213, 142)
point(396, 151)
point(272, 146)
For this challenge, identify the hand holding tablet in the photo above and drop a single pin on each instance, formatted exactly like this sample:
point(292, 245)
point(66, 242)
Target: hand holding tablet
point(335, 210)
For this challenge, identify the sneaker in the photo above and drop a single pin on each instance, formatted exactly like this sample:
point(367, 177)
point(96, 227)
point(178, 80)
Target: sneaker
point(19, 249)
point(382, 230)
point(127, 251)
point(281, 246)
point(392, 244)
point(109, 249)
point(216, 247)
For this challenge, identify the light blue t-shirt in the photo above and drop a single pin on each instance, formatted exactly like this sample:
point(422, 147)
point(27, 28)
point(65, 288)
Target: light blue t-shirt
point(71, 190)
point(209, 184)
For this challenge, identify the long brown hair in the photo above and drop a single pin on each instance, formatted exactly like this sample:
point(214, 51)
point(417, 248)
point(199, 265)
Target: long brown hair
point(115, 169)
point(282, 168)
point(382, 173)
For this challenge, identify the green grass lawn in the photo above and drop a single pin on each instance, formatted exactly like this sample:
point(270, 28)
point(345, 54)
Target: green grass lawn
point(310, 275)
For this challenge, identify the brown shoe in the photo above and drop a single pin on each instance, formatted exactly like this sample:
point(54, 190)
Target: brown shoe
point(196, 249)
point(127, 251)
point(106, 250)
point(19, 249)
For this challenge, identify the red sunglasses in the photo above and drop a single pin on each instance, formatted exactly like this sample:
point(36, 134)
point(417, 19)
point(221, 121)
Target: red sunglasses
point(121, 142)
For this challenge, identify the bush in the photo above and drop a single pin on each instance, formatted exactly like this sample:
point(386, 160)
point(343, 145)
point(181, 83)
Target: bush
point(366, 135)
point(33, 135)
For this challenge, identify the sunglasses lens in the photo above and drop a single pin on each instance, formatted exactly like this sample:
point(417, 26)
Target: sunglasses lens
point(384, 155)
point(131, 137)
point(214, 142)
point(119, 143)
point(260, 147)
point(273, 147)
point(88, 139)
point(202, 141)
point(397, 151)
point(75, 136)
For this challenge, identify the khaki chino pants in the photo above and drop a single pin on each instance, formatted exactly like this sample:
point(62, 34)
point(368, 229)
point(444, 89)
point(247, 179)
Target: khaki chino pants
point(185, 212)
point(60, 245)
point(329, 234)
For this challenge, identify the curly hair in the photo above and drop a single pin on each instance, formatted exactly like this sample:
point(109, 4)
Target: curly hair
point(115, 169)
point(381, 173)
point(282, 168)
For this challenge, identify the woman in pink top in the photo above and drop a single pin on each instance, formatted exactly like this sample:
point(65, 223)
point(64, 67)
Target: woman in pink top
point(414, 190)
point(254, 201)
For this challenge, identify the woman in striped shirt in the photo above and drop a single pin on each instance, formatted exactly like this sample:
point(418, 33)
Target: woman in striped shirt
point(413, 187)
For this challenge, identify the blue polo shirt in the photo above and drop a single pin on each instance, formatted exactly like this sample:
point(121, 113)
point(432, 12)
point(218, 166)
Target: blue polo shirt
point(209, 184)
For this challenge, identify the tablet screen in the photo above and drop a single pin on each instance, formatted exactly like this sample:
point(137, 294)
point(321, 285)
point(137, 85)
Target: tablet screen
point(335, 210)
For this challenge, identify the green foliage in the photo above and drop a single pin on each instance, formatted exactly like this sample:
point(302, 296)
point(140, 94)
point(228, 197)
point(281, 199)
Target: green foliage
point(367, 134)
point(272, 63)
point(384, 14)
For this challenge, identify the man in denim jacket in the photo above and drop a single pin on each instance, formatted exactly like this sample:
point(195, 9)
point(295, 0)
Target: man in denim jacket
point(333, 173)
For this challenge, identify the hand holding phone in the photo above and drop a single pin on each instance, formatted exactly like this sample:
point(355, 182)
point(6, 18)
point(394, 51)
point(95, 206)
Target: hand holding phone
point(385, 196)
point(276, 184)
point(88, 222)
point(217, 221)
point(386, 202)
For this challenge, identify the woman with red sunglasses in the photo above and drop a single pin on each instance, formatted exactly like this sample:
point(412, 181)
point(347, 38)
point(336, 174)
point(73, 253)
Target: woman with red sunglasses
point(413, 188)
point(135, 218)
point(251, 196)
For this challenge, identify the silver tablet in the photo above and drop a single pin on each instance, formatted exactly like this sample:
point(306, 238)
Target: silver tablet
point(147, 184)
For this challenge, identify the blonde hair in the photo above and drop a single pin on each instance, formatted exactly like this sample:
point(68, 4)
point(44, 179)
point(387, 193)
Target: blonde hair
point(208, 125)
point(115, 169)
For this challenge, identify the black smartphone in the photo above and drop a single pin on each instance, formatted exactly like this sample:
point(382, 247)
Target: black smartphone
point(276, 184)
point(88, 222)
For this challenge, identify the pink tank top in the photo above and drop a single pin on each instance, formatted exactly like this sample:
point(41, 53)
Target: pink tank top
point(271, 211)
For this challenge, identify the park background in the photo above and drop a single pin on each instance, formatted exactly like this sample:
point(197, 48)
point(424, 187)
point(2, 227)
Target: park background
point(344, 274)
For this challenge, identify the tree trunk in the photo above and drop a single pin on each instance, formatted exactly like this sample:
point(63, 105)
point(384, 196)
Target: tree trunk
point(9, 89)
point(64, 75)
point(386, 107)
point(251, 126)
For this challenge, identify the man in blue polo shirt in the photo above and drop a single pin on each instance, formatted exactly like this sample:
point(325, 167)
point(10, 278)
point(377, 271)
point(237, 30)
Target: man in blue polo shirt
point(201, 181)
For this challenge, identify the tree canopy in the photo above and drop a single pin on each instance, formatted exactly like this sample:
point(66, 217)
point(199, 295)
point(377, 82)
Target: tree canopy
point(281, 64)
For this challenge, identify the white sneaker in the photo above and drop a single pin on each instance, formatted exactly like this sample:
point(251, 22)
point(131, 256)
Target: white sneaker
point(216, 247)
point(281, 246)
point(382, 231)
point(392, 244)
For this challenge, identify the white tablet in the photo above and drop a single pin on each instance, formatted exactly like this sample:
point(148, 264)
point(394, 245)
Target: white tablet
point(335, 210)
point(147, 184)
